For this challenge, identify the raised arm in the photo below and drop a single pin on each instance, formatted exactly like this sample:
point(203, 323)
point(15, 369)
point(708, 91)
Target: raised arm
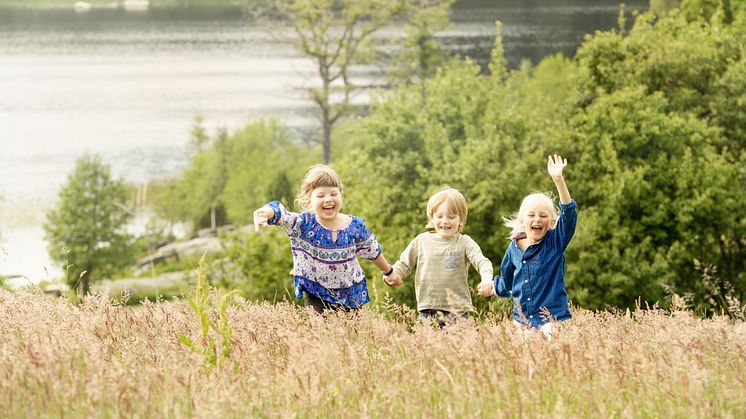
point(555, 165)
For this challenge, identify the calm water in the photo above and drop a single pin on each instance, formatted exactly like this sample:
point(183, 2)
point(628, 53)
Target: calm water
point(127, 85)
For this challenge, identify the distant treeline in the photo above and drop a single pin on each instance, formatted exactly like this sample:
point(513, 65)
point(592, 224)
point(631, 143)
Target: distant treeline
point(153, 3)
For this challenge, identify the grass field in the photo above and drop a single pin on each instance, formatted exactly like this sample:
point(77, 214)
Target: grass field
point(101, 359)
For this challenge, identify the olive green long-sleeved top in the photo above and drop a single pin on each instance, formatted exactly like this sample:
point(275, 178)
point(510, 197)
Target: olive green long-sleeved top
point(442, 270)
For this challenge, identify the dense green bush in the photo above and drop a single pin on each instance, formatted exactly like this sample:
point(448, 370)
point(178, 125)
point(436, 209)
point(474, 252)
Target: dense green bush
point(258, 264)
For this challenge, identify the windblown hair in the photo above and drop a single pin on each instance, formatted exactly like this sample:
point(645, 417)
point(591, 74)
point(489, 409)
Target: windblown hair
point(317, 176)
point(515, 220)
point(454, 201)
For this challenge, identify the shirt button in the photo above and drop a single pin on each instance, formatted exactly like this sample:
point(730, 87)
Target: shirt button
point(524, 261)
point(529, 298)
point(531, 316)
point(525, 281)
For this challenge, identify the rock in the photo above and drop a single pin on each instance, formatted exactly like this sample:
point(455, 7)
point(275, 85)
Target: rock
point(193, 247)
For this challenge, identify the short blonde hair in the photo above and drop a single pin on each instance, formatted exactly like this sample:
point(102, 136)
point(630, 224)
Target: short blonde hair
point(514, 222)
point(317, 176)
point(454, 201)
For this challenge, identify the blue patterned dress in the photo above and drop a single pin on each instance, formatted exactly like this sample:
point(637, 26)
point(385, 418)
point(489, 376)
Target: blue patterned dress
point(323, 267)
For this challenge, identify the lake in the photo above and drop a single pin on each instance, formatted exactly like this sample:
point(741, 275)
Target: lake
point(127, 85)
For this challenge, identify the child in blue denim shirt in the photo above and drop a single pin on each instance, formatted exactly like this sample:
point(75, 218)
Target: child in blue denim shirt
point(532, 272)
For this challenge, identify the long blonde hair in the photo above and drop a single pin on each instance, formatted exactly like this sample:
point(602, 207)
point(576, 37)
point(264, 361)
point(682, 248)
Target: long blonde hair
point(515, 220)
point(317, 176)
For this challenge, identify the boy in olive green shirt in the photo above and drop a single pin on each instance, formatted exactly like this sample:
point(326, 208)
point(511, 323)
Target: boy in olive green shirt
point(442, 258)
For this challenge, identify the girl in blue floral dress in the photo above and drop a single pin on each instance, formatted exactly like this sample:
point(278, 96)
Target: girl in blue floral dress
point(325, 244)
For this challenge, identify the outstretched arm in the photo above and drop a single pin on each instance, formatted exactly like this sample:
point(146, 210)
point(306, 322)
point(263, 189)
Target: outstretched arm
point(262, 216)
point(555, 166)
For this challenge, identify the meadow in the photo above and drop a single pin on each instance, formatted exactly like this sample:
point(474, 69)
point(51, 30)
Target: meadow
point(100, 358)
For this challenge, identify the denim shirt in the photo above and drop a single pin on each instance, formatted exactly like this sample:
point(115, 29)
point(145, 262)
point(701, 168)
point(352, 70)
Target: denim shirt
point(536, 278)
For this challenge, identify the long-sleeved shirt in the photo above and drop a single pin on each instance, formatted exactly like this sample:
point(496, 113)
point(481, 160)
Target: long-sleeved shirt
point(323, 266)
point(441, 278)
point(535, 279)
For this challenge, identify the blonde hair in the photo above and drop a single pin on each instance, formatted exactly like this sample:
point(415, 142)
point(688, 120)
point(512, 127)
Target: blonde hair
point(317, 176)
point(514, 222)
point(454, 201)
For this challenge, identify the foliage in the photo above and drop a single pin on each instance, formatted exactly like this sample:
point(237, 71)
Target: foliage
point(660, 130)
point(236, 173)
point(651, 127)
point(215, 350)
point(257, 264)
point(86, 232)
point(419, 53)
point(336, 36)
point(474, 132)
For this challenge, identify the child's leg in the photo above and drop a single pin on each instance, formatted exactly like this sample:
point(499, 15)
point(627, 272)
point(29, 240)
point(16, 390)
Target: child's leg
point(317, 304)
point(546, 329)
point(432, 318)
point(320, 306)
point(440, 318)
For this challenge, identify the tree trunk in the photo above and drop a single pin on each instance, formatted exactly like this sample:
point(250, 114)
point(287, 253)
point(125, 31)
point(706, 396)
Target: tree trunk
point(326, 141)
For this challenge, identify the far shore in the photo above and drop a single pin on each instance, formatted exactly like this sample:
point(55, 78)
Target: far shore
point(69, 4)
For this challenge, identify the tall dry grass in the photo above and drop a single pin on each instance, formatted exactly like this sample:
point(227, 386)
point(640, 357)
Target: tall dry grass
point(99, 359)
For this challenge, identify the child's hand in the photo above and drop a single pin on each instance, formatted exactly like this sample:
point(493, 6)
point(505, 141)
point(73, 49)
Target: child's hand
point(260, 218)
point(555, 165)
point(485, 289)
point(393, 280)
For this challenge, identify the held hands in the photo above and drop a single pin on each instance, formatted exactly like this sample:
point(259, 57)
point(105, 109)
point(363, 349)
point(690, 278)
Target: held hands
point(393, 280)
point(555, 165)
point(261, 218)
point(485, 289)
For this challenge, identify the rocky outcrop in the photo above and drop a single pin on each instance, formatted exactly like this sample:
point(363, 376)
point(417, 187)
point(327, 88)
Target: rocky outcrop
point(174, 251)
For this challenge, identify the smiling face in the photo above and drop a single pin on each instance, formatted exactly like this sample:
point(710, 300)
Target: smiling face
point(447, 212)
point(326, 202)
point(445, 222)
point(537, 217)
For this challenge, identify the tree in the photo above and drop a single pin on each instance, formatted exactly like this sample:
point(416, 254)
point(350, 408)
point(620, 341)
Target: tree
point(661, 129)
point(86, 232)
point(234, 173)
point(651, 122)
point(336, 35)
point(420, 53)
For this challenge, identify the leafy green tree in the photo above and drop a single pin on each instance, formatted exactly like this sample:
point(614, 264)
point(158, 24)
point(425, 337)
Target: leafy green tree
point(419, 53)
point(657, 160)
point(236, 172)
point(336, 35)
point(86, 232)
point(660, 130)
point(197, 196)
point(484, 135)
